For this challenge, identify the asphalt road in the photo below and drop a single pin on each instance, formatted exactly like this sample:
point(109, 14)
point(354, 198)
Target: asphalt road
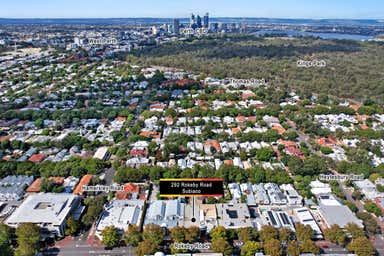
point(86, 250)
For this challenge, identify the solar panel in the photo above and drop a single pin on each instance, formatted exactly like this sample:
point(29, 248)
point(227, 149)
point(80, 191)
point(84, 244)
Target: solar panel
point(284, 218)
point(272, 218)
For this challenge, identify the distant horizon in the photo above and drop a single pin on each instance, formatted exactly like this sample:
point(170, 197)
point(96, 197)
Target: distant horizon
point(184, 20)
point(211, 17)
point(273, 9)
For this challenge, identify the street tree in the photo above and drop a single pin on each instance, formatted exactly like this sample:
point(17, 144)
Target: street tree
point(111, 236)
point(221, 245)
point(361, 246)
point(154, 233)
point(28, 239)
point(273, 247)
point(250, 248)
point(132, 235)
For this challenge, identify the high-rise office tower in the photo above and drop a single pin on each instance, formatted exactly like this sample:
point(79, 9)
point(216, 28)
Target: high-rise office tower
point(198, 22)
point(214, 26)
point(176, 26)
point(192, 20)
point(223, 27)
point(243, 26)
point(206, 20)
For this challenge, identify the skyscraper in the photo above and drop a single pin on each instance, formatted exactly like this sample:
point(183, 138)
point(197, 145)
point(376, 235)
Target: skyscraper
point(198, 21)
point(206, 20)
point(192, 21)
point(176, 26)
point(243, 26)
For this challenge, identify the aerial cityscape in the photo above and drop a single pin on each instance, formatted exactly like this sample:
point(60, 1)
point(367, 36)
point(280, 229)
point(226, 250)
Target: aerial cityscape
point(190, 129)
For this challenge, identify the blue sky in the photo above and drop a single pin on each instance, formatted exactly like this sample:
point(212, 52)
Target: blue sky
point(356, 9)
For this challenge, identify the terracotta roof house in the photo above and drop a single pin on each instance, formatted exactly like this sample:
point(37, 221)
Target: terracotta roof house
point(85, 180)
point(213, 143)
point(137, 152)
point(37, 158)
point(35, 187)
point(120, 118)
point(280, 129)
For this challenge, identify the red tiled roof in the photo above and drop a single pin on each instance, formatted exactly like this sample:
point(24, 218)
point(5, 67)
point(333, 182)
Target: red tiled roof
point(247, 95)
point(287, 143)
point(121, 118)
point(121, 195)
point(57, 180)
point(279, 129)
point(293, 151)
point(8, 137)
point(85, 180)
point(7, 158)
point(213, 143)
point(157, 107)
point(183, 82)
point(324, 141)
point(169, 120)
point(236, 130)
point(37, 158)
point(131, 188)
point(36, 185)
point(219, 91)
point(148, 134)
point(135, 152)
point(355, 107)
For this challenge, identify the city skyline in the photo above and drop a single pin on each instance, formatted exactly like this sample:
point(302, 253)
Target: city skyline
point(293, 9)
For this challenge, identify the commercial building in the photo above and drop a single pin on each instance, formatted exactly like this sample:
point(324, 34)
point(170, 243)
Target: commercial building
point(208, 217)
point(318, 187)
point(176, 26)
point(233, 215)
point(277, 219)
point(333, 212)
point(48, 210)
point(206, 20)
point(305, 217)
point(165, 213)
point(121, 214)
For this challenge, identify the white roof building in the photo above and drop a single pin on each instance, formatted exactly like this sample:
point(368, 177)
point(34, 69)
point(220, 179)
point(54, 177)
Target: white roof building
point(278, 219)
point(293, 197)
point(333, 212)
point(318, 187)
point(235, 190)
point(120, 214)
point(166, 213)
point(368, 189)
point(48, 210)
point(305, 217)
point(260, 194)
point(233, 215)
point(275, 194)
point(102, 153)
